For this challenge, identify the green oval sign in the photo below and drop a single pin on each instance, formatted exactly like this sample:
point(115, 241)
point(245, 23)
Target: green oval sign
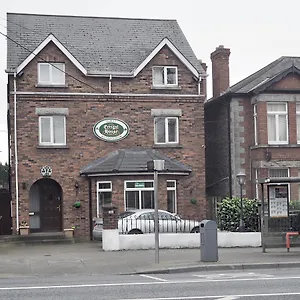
point(111, 130)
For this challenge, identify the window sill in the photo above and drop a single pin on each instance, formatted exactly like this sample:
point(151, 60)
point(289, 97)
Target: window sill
point(157, 146)
point(52, 147)
point(39, 85)
point(275, 146)
point(166, 87)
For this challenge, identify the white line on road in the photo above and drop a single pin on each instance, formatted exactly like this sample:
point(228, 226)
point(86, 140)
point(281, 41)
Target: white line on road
point(152, 277)
point(143, 283)
point(226, 297)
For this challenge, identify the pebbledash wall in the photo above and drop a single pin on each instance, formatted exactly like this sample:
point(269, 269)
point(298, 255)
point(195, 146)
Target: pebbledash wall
point(82, 112)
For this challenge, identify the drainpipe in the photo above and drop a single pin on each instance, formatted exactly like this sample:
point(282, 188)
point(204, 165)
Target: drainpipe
point(229, 148)
point(109, 84)
point(16, 150)
point(90, 209)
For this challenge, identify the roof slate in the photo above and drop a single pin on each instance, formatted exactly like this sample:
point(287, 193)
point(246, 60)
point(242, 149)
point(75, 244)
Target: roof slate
point(265, 74)
point(99, 44)
point(132, 161)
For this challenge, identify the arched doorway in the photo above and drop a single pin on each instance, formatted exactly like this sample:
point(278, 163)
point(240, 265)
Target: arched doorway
point(5, 212)
point(45, 209)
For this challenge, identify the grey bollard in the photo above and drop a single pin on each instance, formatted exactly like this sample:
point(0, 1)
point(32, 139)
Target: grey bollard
point(208, 241)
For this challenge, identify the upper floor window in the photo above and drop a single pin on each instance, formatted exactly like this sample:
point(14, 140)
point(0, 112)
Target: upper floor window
point(51, 73)
point(277, 123)
point(166, 130)
point(255, 123)
point(52, 130)
point(298, 122)
point(165, 76)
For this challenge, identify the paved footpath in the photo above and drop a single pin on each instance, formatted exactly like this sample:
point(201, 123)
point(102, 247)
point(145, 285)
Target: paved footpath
point(88, 258)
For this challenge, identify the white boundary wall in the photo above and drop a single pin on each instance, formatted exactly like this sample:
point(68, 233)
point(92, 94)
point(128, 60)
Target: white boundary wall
point(113, 241)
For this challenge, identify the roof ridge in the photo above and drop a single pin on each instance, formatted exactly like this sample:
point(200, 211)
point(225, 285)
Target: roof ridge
point(262, 70)
point(93, 17)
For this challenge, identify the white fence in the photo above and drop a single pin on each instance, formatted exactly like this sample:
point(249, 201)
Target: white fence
point(113, 241)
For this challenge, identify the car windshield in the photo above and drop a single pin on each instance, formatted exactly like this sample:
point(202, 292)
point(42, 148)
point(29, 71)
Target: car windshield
point(125, 214)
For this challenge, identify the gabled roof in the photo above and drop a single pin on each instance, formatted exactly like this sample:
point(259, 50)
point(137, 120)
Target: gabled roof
point(116, 46)
point(132, 161)
point(267, 75)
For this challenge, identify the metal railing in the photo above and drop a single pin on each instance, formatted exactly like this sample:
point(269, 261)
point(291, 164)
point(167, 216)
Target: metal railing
point(132, 225)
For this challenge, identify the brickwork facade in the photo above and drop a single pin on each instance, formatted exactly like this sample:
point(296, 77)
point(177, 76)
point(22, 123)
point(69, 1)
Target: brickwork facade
point(87, 100)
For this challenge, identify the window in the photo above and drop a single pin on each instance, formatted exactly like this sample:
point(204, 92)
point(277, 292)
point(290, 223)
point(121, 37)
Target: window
point(166, 130)
point(255, 123)
point(298, 122)
point(277, 123)
point(51, 74)
point(165, 76)
point(278, 172)
point(104, 195)
point(52, 130)
point(171, 196)
point(139, 194)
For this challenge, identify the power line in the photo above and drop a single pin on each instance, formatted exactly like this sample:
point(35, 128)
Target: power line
point(31, 52)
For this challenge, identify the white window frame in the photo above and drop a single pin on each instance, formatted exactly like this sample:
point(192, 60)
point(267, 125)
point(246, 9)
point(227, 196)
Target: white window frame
point(173, 188)
point(165, 79)
point(99, 190)
point(277, 114)
point(60, 66)
point(139, 189)
point(255, 124)
point(298, 122)
point(167, 131)
point(51, 131)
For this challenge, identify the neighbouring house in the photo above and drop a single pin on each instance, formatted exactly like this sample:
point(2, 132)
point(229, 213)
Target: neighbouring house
point(91, 101)
point(253, 127)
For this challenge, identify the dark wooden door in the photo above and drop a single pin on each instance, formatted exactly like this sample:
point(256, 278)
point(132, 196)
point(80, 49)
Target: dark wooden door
point(50, 205)
point(5, 213)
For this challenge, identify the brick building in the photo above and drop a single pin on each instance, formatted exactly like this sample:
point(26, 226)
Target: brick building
point(91, 101)
point(253, 127)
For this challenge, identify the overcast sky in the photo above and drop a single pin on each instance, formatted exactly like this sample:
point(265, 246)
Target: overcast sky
point(256, 31)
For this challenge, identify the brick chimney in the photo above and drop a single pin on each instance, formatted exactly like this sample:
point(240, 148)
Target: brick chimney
point(220, 70)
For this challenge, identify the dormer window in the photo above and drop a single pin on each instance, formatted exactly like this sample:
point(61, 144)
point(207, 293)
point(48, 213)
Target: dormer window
point(51, 73)
point(165, 76)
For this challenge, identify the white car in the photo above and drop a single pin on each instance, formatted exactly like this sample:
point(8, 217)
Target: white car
point(139, 221)
point(142, 221)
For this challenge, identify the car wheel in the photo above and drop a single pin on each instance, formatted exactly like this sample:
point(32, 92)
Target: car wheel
point(135, 231)
point(195, 230)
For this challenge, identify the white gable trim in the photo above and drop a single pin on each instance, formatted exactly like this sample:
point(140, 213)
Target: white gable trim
point(168, 43)
point(60, 46)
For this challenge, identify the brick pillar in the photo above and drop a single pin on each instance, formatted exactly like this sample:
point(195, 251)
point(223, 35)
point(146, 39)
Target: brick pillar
point(220, 70)
point(110, 232)
point(110, 217)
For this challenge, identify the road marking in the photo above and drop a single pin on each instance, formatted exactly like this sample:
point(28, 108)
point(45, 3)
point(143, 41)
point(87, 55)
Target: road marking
point(152, 277)
point(144, 283)
point(232, 275)
point(225, 297)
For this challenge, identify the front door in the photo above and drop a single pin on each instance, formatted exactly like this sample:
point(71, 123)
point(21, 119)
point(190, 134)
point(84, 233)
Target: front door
point(45, 206)
point(5, 212)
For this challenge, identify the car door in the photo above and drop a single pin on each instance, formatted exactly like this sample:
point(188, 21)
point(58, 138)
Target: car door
point(167, 222)
point(145, 222)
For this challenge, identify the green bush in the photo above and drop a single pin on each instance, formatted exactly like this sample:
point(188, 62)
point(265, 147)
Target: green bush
point(228, 214)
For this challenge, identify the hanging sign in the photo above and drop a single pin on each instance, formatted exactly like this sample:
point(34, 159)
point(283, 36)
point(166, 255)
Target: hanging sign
point(111, 130)
point(46, 171)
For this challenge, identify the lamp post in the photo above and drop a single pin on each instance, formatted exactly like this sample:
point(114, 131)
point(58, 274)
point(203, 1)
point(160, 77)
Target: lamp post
point(241, 177)
point(155, 166)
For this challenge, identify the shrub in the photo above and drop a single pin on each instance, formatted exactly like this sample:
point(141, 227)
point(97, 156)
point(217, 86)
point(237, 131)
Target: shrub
point(228, 214)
